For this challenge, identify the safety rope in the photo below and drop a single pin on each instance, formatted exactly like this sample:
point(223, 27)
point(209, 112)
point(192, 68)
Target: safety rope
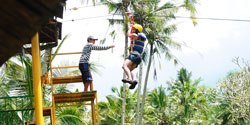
point(131, 39)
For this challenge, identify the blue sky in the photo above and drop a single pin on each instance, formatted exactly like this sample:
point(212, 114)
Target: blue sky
point(212, 43)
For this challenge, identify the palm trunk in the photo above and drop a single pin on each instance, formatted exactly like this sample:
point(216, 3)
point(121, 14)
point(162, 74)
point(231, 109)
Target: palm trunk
point(124, 75)
point(45, 66)
point(145, 84)
point(138, 116)
point(139, 95)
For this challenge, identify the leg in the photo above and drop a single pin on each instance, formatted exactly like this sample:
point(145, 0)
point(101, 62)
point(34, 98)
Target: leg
point(86, 86)
point(86, 75)
point(126, 67)
point(131, 68)
point(91, 86)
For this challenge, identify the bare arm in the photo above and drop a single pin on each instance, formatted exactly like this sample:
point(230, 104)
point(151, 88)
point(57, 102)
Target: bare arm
point(134, 36)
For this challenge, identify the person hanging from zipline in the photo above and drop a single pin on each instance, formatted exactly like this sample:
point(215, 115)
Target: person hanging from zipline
point(84, 60)
point(137, 43)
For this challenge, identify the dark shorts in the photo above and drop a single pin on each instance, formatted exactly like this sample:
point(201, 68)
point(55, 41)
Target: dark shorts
point(86, 74)
point(135, 57)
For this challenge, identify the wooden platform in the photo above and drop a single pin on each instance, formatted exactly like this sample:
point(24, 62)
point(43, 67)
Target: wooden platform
point(65, 80)
point(47, 111)
point(30, 123)
point(74, 97)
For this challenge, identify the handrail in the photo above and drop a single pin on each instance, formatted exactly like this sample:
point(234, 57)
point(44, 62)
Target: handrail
point(52, 89)
point(51, 81)
point(17, 97)
point(66, 53)
point(16, 109)
point(64, 67)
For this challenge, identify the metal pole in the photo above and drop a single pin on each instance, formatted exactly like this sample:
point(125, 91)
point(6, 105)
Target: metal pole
point(97, 113)
point(36, 67)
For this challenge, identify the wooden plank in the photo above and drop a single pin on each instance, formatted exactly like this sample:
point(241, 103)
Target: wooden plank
point(47, 111)
point(70, 100)
point(31, 123)
point(75, 94)
point(74, 97)
point(65, 80)
point(73, 105)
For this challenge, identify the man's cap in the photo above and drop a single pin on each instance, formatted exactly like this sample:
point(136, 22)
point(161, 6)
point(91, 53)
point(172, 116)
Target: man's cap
point(92, 37)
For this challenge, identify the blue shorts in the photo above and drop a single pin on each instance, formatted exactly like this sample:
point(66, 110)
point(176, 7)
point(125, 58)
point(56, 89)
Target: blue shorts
point(135, 57)
point(86, 74)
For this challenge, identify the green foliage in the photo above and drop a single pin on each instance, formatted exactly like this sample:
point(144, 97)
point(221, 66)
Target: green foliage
point(158, 100)
point(59, 46)
point(16, 78)
point(155, 19)
point(16, 110)
point(187, 100)
point(234, 93)
point(71, 116)
point(110, 111)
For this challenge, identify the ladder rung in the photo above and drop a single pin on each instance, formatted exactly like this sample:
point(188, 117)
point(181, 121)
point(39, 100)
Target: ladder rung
point(73, 105)
point(31, 123)
point(74, 97)
point(47, 111)
point(70, 100)
point(75, 94)
point(69, 79)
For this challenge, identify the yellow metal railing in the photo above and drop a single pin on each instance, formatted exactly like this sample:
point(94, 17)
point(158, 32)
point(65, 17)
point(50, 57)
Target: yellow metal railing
point(70, 79)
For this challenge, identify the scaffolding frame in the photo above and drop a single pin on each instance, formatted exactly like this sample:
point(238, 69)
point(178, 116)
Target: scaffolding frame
point(70, 97)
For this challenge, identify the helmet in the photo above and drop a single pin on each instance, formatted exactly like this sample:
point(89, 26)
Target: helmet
point(138, 27)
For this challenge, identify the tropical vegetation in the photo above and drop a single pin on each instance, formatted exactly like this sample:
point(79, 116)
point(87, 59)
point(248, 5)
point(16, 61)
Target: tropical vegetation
point(178, 101)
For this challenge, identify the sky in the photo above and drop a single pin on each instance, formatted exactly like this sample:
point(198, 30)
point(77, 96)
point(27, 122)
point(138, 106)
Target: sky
point(212, 44)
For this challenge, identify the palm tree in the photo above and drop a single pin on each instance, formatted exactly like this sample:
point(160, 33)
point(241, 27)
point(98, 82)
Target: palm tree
point(156, 20)
point(158, 99)
point(117, 8)
point(72, 116)
point(18, 77)
point(16, 82)
point(110, 112)
point(187, 98)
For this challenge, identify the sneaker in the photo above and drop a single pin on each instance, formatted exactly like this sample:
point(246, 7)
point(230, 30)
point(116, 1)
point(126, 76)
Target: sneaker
point(127, 81)
point(132, 86)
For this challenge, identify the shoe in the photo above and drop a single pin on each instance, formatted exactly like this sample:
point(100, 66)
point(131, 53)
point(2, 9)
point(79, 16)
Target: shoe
point(132, 86)
point(127, 81)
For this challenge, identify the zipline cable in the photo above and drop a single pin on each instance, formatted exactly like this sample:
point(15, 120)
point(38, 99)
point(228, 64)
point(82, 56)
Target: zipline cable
point(76, 8)
point(200, 18)
point(220, 19)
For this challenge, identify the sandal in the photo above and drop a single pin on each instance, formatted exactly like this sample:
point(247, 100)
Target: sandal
point(132, 86)
point(127, 81)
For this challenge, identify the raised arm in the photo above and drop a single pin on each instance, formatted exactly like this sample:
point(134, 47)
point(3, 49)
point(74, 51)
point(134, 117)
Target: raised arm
point(132, 35)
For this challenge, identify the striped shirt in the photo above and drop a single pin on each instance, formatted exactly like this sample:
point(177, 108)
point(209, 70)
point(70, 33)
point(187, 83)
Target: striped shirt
point(86, 52)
